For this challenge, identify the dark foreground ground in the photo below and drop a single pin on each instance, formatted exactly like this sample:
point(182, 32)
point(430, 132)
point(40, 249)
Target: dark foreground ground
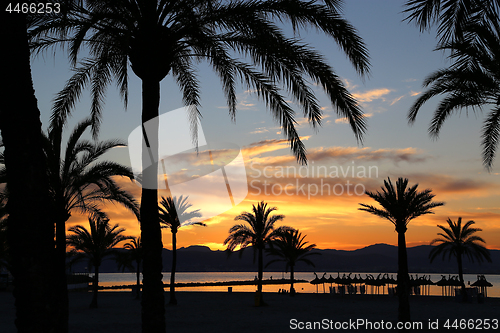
point(235, 312)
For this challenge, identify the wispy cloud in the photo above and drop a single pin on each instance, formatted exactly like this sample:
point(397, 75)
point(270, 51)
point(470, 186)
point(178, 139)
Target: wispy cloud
point(371, 95)
point(397, 99)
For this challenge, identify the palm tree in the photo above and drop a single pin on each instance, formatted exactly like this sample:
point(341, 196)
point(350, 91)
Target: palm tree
point(471, 34)
point(173, 215)
point(165, 37)
point(260, 233)
point(133, 254)
point(400, 205)
point(458, 240)
point(291, 248)
point(80, 182)
point(30, 231)
point(469, 82)
point(96, 244)
point(451, 16)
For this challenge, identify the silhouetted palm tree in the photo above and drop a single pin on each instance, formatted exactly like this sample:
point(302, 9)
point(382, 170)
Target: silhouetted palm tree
point(451, 16)
point(469, 82)
point(95, 244)
point(260, 232)
point(470, 31)
point(159, 38)
point(173, 215)
point(400, 205)
point(80, 182)
point(458, 240)
point(133, 254)
point(291, 248)
point(30, 231)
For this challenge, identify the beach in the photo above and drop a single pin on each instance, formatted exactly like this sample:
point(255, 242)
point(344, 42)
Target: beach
point(224, 311)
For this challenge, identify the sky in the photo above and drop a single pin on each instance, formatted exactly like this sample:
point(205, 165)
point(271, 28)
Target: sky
point(322, 200)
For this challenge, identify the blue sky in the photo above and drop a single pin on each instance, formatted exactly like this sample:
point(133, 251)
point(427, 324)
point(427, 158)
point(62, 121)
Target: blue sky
point(401, 57)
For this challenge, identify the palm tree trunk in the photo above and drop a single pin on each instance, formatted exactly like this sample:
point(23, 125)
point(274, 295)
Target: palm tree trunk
point(153, 300)
point(138, 275)
point(261, 271)
point(30, 230)
point(403, 279)
point(292, 289)
point(173, 300)
point(461, 276)
point(95, 288)
point(61, 293)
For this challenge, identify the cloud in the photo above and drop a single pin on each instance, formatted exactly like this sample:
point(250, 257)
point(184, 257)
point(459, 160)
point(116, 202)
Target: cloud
point(346, 121)
point(410, 80)
point(394, 101)
point(260, 130)
point(414, 93)
point(372, 95)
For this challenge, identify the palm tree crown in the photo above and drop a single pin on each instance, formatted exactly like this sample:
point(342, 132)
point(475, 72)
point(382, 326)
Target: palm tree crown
point(78, 180)
point(98, 242)
point(289, 246)
point(402, 204)
point(451, 16)
point(471, 81)
point(458, 240)
point(174, 214)
point(169, 37)
point(260, 232)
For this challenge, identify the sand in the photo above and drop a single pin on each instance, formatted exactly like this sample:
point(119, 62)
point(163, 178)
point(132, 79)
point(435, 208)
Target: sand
point(222, 312)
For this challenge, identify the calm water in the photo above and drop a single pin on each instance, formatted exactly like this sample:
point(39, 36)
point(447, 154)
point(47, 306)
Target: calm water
point(110, 279)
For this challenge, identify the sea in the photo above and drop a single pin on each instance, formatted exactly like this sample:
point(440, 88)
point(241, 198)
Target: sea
point(116, 279)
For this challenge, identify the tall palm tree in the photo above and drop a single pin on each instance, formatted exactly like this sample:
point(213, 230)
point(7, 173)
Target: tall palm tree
point(173, 215)
point(458, 240)
point(400, 205)
point(80, 182)
point(134, 253)
point(260, 232)
point(30, 231)
point(291, 248)
point(162, 37)
point(95, 244)
point(470, 31)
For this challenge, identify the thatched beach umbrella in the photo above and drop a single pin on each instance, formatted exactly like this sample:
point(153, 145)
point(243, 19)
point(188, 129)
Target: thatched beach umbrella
point(482, 284)
point(331, 280)
point(323, 280)
point(442, 283)
point(315, 281)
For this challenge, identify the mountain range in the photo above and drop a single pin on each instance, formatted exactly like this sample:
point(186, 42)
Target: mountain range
point(373, 258)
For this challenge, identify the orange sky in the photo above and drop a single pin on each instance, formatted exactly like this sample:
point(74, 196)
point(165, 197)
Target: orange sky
point(332, 220)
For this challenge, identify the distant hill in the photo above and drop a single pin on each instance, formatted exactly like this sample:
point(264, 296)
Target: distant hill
point(373, 258)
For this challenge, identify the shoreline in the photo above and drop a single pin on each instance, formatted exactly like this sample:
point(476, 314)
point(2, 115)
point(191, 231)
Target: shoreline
point(199, 311)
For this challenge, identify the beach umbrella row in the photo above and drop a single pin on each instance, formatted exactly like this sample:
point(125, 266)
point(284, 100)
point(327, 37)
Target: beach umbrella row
point(445, 283)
